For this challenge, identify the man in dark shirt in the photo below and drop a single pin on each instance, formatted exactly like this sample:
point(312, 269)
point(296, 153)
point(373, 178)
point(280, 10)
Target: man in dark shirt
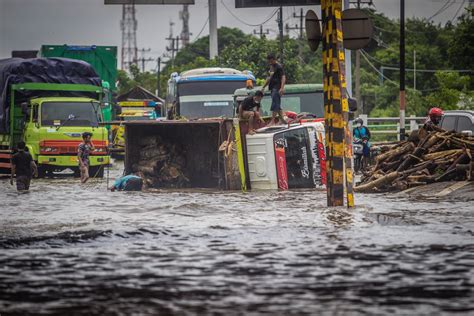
point(250, 109)
point(276, 84)
point(24, 167)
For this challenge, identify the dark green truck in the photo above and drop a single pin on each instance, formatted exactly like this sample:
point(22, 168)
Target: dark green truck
point(102, 58)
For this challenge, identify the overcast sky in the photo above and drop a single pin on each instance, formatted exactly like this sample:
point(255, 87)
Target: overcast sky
point(27, 24)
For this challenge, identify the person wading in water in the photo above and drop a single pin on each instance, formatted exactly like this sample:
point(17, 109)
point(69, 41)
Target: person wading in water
point(24, 167)
point(83, 153)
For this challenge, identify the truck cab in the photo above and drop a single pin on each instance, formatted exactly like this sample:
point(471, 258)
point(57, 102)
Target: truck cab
point(53, 130)
point(204, 92)
point(138, 110)
point(298, 98)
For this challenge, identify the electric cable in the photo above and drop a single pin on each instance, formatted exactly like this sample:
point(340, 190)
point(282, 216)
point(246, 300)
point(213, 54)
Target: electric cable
point(376, 70)
point(202, 29)
point(246, 23)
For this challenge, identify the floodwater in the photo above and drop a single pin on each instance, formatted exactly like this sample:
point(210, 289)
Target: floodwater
point(72, 249)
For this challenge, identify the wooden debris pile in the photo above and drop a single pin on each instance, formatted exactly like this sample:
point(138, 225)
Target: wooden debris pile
point(426, 157)
point(161, 164)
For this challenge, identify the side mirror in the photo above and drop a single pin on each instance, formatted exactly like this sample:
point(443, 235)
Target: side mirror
point(25, 109)
point(352, 104)
point(118, 109)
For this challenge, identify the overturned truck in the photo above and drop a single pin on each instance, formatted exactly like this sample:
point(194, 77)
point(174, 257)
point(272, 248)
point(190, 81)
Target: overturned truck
point(219, 154)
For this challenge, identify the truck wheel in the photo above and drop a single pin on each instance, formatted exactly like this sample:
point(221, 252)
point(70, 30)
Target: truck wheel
point(42, 171)
point(77, 172)
point(96, 171)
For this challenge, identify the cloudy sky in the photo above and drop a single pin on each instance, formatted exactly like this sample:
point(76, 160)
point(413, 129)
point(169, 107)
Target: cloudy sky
point(27, 24)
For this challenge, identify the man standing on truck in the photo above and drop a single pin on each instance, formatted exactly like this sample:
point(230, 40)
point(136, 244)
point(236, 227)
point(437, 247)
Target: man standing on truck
point(24, 167)
point(250, 109)
point(276, 84)
point(83, 153)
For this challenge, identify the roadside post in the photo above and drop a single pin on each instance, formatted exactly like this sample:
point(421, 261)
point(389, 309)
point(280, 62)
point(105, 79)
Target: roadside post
point(349, 29)
point(336, 108)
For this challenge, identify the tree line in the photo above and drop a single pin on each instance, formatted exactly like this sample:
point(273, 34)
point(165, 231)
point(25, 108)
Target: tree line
point(443, 53)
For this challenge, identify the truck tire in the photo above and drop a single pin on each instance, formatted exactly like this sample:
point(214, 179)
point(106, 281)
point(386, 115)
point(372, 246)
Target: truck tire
point(96, 171)
point(42, 171)
point(77, 172)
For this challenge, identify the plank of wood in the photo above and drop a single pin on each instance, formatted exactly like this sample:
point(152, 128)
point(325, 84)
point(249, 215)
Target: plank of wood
point(452, 188)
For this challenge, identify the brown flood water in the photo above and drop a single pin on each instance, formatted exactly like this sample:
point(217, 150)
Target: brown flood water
point(72, 249)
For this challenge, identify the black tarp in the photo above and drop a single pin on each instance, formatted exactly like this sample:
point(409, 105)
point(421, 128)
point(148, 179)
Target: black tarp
point(41, 70)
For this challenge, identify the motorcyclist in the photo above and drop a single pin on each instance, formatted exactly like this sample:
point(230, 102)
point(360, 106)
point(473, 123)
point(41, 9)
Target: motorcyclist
point(434, 117)
point(361, 134)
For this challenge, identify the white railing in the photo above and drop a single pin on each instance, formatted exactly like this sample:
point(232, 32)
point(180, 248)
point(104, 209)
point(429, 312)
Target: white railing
point(391, 125)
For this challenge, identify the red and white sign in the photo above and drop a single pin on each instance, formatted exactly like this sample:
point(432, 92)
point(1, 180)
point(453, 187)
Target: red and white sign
point(282, 173)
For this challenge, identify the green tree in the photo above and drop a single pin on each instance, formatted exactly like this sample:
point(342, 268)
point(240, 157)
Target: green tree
point(461, 45)
point(453, 92)
point(146, 80)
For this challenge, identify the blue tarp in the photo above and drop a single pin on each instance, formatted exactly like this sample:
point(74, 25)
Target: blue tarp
point(41, 70)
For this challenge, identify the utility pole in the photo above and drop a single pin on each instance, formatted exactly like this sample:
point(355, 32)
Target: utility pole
point(142, 59)
point(414, 69)
point(213, 45)
point(159, 61)
point(158, 76)
point(297, 26)
point(173, 45)
point(173, 48)
point(301, 16)
point(128, 26)
point(336, 109)
point(260, 31)
point(280, 29)
point(357, 74)
point(402, 70)
point(185, 34)
point(357, 64)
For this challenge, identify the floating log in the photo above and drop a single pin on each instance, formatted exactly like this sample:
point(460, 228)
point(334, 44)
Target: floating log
point(378, 183)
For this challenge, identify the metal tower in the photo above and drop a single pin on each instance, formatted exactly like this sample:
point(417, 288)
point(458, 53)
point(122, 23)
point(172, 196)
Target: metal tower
point(184, 15)
point(128, 26)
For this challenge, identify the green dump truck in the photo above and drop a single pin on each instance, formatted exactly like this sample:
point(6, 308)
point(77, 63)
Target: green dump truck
point(102, 58)
point(49, 103)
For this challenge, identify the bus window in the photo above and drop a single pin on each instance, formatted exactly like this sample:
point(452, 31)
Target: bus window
point(201, 99)
point(298, 102)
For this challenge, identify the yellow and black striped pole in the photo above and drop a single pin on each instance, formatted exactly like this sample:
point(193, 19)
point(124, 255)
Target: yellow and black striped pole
point(336, 108)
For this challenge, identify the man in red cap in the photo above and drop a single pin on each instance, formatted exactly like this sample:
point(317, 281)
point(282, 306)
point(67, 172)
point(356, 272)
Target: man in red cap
point(434, 117)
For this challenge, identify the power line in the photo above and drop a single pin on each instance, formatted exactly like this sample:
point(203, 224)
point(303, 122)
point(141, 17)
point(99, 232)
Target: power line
point(394, 67)
point(203, 27)
point(442, 9)
point(431, 70)
point(376, 70)
point(459, 9)
point(377, 60)
point(246, 23)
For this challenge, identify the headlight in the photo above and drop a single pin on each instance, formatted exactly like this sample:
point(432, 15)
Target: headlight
point(49, 149)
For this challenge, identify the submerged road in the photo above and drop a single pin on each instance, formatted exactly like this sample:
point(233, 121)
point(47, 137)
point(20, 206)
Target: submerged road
point(73, 249)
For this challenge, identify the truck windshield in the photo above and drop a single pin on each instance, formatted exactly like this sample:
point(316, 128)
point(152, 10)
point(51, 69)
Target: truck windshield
point(201, 99)
point(312, 102)
point(75, 113)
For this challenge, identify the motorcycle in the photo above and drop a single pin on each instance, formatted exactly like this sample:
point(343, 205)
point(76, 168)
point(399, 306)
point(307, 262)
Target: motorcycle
point(358, 151)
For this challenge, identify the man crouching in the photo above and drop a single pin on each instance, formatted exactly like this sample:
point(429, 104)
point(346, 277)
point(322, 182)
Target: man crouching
point(250, 109)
